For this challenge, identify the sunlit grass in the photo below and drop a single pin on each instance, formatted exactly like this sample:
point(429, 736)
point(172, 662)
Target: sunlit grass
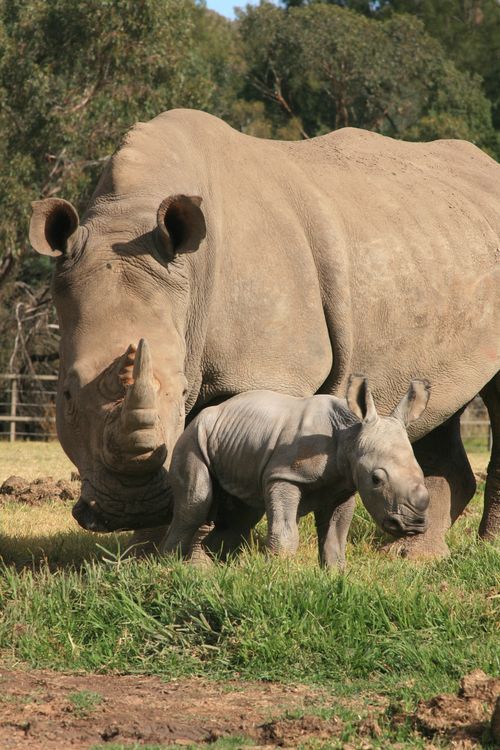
point(34, 459)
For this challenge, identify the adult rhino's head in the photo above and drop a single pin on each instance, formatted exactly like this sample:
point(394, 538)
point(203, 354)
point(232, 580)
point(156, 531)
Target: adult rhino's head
point(121, 292)
point(386, 473)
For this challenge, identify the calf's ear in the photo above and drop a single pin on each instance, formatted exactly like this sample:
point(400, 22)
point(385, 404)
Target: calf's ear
point(414, 402)
point(53, 221)
point(180, 225)
point(359, 398)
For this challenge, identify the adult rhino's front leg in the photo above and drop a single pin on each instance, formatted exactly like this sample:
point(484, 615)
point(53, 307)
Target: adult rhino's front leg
point(451, 485)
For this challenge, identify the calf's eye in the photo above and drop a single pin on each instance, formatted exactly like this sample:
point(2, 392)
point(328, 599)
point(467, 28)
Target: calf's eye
point(377, 478)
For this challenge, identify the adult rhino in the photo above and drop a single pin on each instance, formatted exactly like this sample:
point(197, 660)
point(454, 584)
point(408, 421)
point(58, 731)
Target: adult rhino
point(251, 264)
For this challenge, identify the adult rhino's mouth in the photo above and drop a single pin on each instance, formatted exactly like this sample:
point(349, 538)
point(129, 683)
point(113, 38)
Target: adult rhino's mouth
point(127, 505)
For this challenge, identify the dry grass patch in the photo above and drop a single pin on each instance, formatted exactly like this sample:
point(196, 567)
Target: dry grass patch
point(31, 460)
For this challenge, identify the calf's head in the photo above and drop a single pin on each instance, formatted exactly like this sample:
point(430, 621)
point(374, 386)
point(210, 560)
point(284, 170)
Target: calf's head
point(385, 471)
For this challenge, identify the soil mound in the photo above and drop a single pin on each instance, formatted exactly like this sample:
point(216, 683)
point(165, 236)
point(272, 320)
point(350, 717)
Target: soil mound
point(38, 491)
point(293, 732)
point(464, 719)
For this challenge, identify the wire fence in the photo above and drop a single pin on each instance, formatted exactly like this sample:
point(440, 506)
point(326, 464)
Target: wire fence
point(28, 408)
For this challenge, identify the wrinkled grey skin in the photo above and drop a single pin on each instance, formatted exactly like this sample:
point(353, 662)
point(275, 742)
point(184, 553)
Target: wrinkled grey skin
point(251, 264)
point(290, 456)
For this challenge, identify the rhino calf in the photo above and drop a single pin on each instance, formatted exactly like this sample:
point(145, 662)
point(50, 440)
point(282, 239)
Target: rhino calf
point(290, 456)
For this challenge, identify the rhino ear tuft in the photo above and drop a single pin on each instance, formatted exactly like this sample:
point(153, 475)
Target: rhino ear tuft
point(359, 398)
point(53, 221)
point(414, 402)
point(180, 225)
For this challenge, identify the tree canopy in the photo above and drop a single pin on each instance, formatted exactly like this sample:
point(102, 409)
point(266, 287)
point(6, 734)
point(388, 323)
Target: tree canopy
point(75, 74)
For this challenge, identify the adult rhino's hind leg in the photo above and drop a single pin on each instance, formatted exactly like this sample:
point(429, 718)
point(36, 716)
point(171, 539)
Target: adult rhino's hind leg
point(489, 527)
point(451, 485)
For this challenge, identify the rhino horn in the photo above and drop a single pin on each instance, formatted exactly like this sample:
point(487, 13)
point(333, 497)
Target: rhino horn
point(140, 423)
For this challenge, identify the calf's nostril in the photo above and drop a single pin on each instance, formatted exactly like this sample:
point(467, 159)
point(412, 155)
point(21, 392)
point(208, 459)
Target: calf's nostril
point(420, 498)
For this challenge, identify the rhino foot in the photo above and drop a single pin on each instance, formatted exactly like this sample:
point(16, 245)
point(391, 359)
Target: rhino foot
point(146, 542)
point(197, 555)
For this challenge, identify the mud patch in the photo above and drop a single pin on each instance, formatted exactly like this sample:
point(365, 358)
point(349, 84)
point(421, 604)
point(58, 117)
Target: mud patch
point(38, 491)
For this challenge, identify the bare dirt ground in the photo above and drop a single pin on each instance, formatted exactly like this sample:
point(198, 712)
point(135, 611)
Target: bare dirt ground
point(43, 710)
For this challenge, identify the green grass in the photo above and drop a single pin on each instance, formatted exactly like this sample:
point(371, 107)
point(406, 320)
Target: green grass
point(33, 459)
point(84, 702)
point(399, 626)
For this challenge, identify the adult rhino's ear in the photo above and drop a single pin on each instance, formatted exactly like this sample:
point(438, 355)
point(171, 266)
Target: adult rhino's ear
point(359, 398)
point(414, 402)
point(181, 225)
point(53, 221)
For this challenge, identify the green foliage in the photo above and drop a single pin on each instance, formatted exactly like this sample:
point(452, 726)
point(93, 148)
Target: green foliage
point(75, 75)
point(324, 67)
point(469, 32)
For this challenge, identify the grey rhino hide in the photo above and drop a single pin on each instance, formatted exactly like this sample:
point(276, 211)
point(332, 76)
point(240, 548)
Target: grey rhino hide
point(249, 264)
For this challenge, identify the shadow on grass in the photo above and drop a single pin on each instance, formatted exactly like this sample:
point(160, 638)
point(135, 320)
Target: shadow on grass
point(60, 543)
point(64, 549)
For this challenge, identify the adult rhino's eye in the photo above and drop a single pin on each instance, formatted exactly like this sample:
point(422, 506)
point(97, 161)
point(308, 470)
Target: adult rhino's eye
point(111, 388)
point(69, 403)
point(378, 477)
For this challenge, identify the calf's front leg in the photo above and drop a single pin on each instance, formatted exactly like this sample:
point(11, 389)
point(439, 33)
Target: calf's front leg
point(332, 527)
point(282, 503)
point(193, 493)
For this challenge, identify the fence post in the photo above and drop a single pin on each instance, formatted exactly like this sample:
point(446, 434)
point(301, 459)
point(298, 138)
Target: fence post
point(13, 409)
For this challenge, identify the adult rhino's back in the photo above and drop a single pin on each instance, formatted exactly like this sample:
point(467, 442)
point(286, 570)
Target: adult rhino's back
point(407, 238)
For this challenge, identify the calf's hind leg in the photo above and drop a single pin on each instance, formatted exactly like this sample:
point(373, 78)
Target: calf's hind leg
point(282, 503)
point(234, 521)
point(192, 490)
point(489, 527)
